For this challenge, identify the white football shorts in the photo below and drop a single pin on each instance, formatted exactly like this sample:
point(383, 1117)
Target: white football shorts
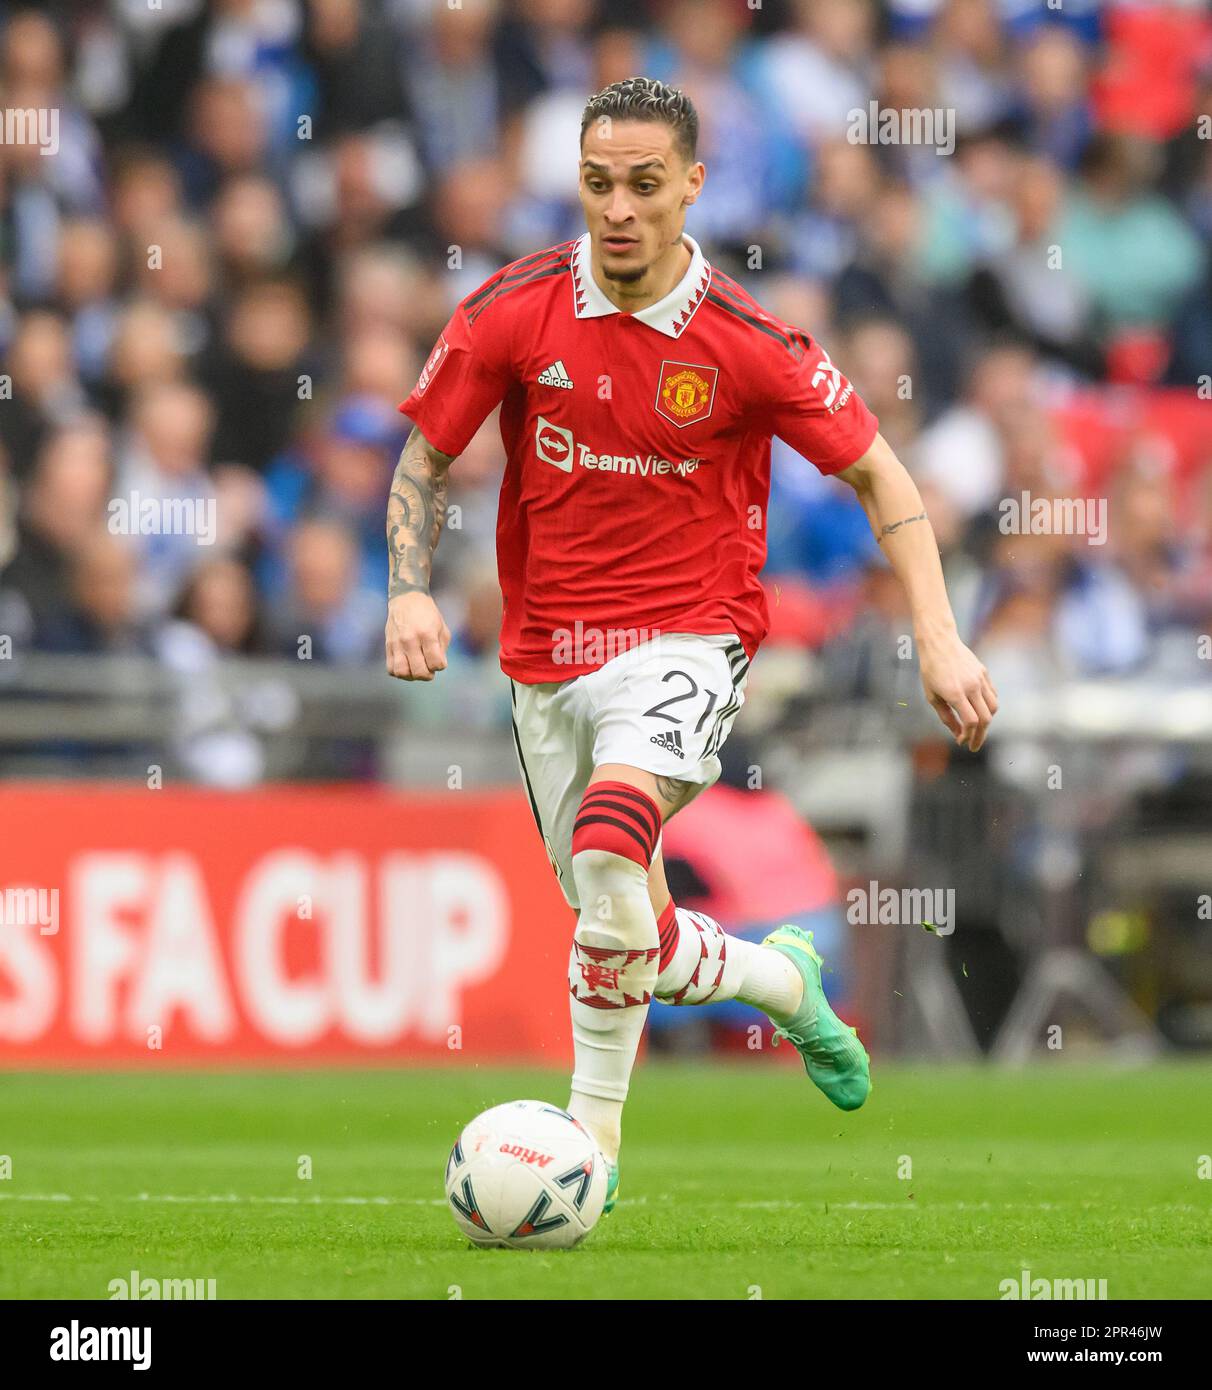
point(665, 706)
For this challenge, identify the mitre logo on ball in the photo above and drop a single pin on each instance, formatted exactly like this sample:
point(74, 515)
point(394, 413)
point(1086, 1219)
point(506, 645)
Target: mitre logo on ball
point(686, 393)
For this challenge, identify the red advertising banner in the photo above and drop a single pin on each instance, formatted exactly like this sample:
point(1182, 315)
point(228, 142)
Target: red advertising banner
point(319, 925)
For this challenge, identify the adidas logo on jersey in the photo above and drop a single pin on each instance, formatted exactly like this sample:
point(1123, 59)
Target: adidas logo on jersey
point(670, 741)
point(555, 375)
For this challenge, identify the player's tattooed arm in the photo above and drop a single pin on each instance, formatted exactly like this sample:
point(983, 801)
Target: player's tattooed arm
point(416, 510)
point(955, 682)
point(416, 636)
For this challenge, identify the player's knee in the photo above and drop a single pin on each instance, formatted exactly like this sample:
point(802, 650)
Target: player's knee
point(613, 892)
point(616, 948)
point(613, 842)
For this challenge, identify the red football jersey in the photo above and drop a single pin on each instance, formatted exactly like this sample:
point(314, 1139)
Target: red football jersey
point(638, 450)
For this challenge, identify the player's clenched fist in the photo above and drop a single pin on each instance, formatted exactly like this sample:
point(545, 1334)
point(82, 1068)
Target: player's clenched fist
point(417, 638)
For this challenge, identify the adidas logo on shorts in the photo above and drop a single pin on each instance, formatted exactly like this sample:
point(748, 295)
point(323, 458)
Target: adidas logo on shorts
point(671, 742)
point(555, 375)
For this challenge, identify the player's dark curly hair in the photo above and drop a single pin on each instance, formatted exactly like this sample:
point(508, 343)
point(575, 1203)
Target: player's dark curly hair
point(646, 99)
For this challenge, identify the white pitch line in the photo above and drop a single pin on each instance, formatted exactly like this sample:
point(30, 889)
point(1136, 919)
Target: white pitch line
point(944, 1206)
point(787, 1204)
point(228, 1199)
point(815, 1204)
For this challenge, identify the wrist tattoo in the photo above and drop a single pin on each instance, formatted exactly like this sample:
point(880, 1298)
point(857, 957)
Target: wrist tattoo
point(896, 525)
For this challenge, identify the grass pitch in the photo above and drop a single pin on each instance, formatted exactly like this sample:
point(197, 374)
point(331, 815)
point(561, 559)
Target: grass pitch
point(739, 1181)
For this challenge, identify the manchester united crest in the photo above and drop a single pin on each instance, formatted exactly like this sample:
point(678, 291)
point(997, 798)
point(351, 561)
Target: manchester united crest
point(686, 392)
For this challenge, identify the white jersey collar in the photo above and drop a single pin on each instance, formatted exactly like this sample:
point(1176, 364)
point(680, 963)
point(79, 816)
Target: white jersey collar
point(669, 315)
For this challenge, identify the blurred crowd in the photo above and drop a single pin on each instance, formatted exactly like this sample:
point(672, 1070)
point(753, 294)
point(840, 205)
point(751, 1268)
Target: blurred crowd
point(260, 213)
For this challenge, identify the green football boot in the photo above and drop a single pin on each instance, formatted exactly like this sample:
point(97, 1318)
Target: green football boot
point(612, 1187)
point(835, 1060)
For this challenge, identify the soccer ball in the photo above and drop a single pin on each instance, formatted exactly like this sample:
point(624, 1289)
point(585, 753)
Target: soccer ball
point(526, 1175)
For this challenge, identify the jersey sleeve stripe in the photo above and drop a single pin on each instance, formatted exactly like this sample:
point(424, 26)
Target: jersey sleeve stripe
point(511, 271)
point(505, 287)
point(742, 297)
point(792, 347)
point(797, 341)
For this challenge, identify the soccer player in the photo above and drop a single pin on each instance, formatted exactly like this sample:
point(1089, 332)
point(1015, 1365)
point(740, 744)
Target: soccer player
point(639, 390)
